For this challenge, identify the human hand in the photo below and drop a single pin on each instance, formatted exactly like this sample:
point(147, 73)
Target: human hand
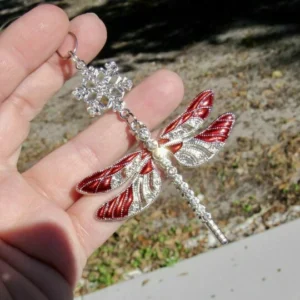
point(46, 235)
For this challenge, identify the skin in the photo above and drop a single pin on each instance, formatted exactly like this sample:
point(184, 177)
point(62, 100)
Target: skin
point(46, 235)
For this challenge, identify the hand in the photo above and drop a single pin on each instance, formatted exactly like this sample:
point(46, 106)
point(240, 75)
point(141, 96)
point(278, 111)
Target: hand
point(45, 236)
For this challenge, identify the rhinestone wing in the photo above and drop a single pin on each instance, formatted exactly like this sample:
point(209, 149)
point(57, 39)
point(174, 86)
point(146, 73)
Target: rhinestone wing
point(144, 188)
point(113, 176)
point(190, 121)
point(192, 151)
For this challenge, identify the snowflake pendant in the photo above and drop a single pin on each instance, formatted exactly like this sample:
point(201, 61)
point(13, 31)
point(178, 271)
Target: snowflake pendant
point(102, 89)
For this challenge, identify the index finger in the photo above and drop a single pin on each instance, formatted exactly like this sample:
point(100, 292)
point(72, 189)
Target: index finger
point(28, 42)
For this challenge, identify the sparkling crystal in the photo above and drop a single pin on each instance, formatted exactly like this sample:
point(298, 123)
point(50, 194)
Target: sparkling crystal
point(206, 214)
point(144, 134)
point(80, 65)
point(106, 80)
point(165, 162)
point(126, 84)
point(189, 194)
point(184, 186)
point(80, 93)
point(91, 69)
point(193, 122)
point(92, 96)
point(195, 200)
point(111, 68)
point(152, 144)
point(116, 92)
point(85, 72)
point(177, 179)
point(171, 171)
point(117, 105)
point(116, 80)
point(102, 88)
point(93, 110)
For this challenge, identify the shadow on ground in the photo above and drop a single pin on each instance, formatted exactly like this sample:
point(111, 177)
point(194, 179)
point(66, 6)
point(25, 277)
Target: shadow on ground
point(166, 25)
point(140, 26)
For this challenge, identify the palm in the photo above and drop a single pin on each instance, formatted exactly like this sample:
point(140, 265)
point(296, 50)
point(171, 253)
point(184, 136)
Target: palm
point(45, 234)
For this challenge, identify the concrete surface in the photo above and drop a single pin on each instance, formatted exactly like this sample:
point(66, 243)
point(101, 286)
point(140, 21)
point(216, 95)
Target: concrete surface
point(265, 266)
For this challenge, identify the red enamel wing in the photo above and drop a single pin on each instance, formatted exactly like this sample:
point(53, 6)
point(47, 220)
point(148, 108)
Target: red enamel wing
point(181, 138)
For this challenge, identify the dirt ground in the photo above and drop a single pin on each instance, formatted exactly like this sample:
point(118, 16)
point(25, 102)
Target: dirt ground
point(252, 186)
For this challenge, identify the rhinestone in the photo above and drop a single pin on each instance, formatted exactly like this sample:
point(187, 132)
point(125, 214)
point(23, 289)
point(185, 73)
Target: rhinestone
point(177, 179)
point(193, 122)
point(79, 93)
point(184, 186)
point(166, 162)
point(116, 80)
point(152, 144)
point(171, 171)
point(144, 134)
point(189, 193)
point(91, 69)
point(117, 106)
point(111, 68)
point(93, 111)
point(195, 200)
point(92, 97)
point(80, 65)
point(117, 92)
point(126, 84)
point(205, 215)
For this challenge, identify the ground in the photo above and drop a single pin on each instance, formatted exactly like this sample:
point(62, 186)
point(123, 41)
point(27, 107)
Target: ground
point(252, 186)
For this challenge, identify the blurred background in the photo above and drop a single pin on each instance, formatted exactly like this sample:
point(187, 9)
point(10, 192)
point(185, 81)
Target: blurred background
point(248, 53)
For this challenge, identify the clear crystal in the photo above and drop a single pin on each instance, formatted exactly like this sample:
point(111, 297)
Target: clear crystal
point(80, 65)
point(94, 110)
point(190, 194)
point(91, 69)
point(166, 162)
point(206, 214)
point(106, 80)
point(184, 186)
point(126, 84)
point(117, 105)
point(77, 94)
point(144, 134)
point(117, 92)
point(116, 80)
point(172, 171)
point(177, 179)
point(111, 68)
point(80, 93)
point(92, 97)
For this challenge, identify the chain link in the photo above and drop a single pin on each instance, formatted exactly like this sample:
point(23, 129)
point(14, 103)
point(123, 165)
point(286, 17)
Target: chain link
point(79, 64)
point(134, 124)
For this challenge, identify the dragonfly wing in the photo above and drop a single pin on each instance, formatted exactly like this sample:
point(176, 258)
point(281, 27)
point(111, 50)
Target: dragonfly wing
point(113, 176)
point(195, 151)
point(191, 120)
point(141, 193)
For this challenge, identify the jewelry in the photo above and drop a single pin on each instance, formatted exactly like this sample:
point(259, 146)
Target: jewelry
point(101, 89)
point(180, 140)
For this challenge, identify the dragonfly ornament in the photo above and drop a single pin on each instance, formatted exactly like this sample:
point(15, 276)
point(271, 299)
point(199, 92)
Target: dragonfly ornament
point(140, 172)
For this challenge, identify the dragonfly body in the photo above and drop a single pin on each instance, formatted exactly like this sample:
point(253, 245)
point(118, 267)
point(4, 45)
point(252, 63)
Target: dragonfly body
point(180, 141)
point(161, 157)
